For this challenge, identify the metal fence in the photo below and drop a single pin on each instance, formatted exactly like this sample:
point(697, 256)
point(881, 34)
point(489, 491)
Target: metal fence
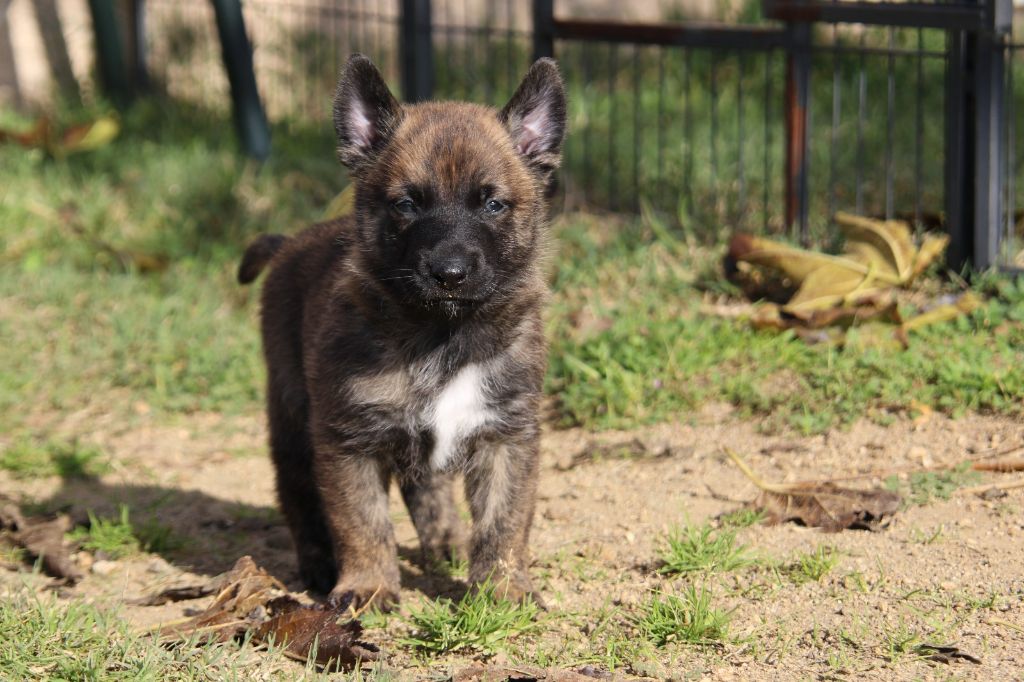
point(904, 110)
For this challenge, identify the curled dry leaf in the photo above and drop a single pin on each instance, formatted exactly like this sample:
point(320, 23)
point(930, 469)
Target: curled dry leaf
point(58, 143)
point(822, 504)
point(852, 289)
point(41, 538)
point(251, 600)
point(329, 634)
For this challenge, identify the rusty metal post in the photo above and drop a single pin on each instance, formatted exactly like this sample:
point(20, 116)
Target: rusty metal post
point(797, 94)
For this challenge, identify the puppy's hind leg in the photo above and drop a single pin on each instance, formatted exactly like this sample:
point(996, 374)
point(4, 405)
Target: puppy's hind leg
point(292, 452)
point(431, 503)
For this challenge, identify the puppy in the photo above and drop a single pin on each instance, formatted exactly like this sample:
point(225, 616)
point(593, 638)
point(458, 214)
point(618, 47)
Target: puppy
point(406, 341)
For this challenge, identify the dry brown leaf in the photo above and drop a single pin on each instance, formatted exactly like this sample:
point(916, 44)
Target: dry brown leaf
point(332, 632)
point(251, 600)
point(822, 504)
point(41, 538)
point(885, 243)
point(847, 289)
point(76, 138)
point(829, 507)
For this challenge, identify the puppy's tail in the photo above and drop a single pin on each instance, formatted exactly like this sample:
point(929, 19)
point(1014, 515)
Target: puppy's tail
point(257, 255)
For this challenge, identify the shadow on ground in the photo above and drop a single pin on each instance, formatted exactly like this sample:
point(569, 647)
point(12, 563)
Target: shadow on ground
point(204, 534)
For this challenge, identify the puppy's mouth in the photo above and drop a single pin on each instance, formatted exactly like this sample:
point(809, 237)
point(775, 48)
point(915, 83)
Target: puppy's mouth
point(453, 306)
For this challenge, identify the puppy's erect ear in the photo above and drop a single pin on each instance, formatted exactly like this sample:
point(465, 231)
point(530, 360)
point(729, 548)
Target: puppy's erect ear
point(535, 116)
point(365, 113)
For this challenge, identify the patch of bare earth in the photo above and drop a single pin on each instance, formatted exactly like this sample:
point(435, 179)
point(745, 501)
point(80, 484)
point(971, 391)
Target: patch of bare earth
point(947, 573)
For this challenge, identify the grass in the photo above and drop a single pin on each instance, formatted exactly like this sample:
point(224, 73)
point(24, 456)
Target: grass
point(115, 537)
point(812, 566)
point(645, 353)
point(43, 638)
point(925, 487)
point(686, 618)
point(31, 459)
point(741, 518)
point(692, 549)
point(478, 622)
point(629, 342)
point(118, 537)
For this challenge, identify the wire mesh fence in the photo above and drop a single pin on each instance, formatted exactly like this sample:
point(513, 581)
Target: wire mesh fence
point(697, 132)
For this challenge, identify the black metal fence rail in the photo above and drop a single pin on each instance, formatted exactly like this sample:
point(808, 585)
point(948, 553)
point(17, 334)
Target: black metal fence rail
point(894, 109)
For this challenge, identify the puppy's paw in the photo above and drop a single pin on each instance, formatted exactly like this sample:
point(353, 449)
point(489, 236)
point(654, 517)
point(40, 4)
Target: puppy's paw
point(364, 591)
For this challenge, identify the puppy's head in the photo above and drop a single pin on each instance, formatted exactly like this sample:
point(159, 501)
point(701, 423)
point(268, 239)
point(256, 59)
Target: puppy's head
point(450, 197)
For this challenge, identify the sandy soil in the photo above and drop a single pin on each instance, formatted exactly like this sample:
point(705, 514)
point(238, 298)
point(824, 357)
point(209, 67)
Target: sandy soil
point(948, 572)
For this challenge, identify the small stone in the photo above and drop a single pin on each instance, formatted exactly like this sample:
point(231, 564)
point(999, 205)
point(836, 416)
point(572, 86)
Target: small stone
point(104, 567)
point(158, 565)
point(920, 454)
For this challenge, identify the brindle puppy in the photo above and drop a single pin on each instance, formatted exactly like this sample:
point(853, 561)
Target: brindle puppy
point(407, 341)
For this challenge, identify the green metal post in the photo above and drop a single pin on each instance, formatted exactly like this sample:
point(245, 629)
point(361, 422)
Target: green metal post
point(250, 119)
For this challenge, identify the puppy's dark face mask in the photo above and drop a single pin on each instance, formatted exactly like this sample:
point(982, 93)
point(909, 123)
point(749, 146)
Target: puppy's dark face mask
point(449, 196)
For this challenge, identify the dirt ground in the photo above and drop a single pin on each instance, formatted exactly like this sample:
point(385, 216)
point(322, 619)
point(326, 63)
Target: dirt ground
point(945, 573)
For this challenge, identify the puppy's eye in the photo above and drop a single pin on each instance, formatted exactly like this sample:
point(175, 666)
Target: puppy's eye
point(405, 206)
point(494, 206)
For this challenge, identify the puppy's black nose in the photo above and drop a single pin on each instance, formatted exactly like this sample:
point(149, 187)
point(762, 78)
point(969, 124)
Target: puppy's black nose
point(451, 272)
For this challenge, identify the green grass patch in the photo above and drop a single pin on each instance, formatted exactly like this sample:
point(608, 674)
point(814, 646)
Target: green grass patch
point(629, 342)
point(925, 487)
point(812, 566)
point(686, 618)
point(114, 537)
point(27, 458)
point(741, 518)
point(478, 621)
point(118, 537)
point(43, 638)
point(691, 549)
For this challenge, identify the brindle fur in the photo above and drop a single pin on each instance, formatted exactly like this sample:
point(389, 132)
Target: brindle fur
point(358, 345)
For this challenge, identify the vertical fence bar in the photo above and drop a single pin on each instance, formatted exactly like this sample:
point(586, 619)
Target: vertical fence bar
point(798, 76)
point(636, 129)
point(417, 54)
point(834, 135)
point(543, 28)
point(890, 127)
point(989, 83)
point(140, 70)
point(862, 98)
point(767, 138)
point(1010, 179)
point(919, 132)
point(959, 160)
point(110, 51)
point(250, 118)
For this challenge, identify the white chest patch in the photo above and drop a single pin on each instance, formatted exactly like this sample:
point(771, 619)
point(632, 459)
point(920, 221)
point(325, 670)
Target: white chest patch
point(459, 410)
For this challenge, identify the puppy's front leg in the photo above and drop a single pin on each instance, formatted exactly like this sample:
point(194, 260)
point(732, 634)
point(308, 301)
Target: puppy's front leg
point(354, 489)
point(501, 483)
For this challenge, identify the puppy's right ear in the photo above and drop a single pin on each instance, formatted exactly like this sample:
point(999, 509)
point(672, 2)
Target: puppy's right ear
point(366, 114)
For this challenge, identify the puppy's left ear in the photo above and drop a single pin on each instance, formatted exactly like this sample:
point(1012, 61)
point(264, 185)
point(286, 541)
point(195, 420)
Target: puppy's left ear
point(366, 114)
point(535, 117)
